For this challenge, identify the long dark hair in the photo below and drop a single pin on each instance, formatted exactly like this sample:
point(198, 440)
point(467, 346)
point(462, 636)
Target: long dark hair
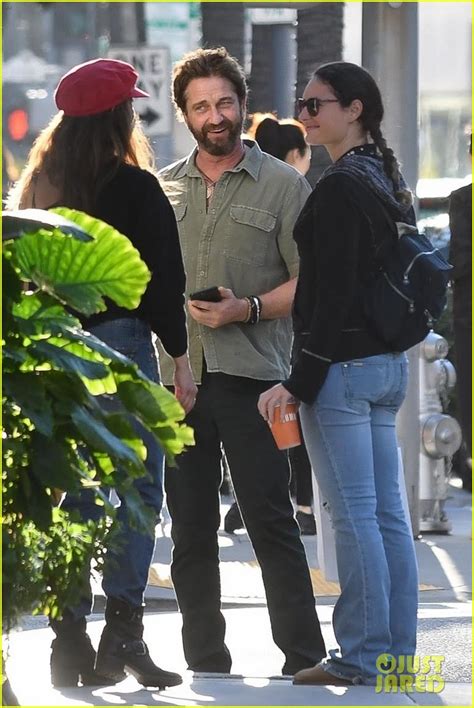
point(81, 154)
point(350, 82)
point(278, 138)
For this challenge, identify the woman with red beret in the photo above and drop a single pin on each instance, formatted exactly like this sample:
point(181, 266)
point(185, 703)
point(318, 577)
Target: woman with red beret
point(93, 156)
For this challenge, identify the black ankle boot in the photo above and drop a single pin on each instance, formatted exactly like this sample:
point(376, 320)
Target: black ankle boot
point(72, 654)
point(220, 663)
point(122, 647)
point(233, 519)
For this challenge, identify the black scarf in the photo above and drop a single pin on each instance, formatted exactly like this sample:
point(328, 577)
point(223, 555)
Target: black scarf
point(363, 163)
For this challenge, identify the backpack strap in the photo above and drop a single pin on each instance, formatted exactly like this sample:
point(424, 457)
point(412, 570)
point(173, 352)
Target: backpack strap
point(383, 227)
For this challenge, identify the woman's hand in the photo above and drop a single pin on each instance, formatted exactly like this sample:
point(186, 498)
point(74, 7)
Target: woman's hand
point(275, 396)
point(185, 389)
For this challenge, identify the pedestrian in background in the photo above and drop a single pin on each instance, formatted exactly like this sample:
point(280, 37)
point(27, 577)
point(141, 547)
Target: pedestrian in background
point(460, 255)
point(286, 140)
point(349, 383)
point(236, 208)
point(93, 156)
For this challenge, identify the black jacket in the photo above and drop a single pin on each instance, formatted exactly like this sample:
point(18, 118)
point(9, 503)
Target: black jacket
point(460, 253)
point(460, 224)
point(335, 244)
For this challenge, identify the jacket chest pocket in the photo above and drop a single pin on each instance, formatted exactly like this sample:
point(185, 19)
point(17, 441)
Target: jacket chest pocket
point(250, 235)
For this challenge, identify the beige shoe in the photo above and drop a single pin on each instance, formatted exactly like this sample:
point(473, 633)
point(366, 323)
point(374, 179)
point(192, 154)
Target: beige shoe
point(318, 676)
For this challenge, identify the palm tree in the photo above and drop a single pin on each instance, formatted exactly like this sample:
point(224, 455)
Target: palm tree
point(223, 26)
point(318, 36)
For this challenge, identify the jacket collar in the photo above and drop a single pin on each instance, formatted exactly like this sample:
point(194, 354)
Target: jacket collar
point(251, 162)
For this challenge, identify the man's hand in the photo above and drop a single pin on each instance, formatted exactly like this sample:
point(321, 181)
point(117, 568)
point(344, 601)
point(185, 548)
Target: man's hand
point(185, 389)
point(217, 314)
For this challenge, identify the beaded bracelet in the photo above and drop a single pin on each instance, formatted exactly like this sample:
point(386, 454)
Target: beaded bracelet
point(255, 309)
point(249, 310)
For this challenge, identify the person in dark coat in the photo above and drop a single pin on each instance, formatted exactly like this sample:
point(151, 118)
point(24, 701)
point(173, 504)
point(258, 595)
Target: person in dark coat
point(460, 255)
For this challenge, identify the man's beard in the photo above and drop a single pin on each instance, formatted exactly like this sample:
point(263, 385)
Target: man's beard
point(234, 131)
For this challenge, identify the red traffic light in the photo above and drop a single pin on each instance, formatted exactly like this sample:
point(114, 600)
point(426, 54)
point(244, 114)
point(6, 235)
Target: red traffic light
point(18, 124)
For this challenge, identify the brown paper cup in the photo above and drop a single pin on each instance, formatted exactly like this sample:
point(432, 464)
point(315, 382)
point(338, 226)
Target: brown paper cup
point(286, 434)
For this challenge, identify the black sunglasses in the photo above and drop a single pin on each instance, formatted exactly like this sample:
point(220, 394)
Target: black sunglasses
point(313, 104)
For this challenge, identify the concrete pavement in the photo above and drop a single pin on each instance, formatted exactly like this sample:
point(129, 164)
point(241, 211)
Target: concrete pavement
point(444, 629)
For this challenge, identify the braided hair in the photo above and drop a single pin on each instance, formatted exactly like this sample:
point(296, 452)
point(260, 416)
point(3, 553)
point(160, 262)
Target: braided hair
point(350, 82)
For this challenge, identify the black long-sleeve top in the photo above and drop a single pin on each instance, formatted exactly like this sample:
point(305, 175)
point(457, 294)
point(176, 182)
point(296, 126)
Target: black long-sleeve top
point(336, 260)
point(460, 224)
point(134, 203)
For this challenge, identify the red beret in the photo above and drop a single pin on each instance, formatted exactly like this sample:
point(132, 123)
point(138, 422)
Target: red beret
point(96, 86)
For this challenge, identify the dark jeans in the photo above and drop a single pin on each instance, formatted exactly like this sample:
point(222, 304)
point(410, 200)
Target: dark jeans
point(226, 411)
point(301, 475)
point(126, 576)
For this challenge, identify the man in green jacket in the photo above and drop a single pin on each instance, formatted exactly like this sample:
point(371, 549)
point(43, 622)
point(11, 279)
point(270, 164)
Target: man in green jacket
point(235, 208)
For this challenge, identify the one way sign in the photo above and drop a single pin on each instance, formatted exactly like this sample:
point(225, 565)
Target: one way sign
point(154, 69)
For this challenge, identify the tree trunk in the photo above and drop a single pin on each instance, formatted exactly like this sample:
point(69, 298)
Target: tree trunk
point(223, 26)
point(261, 95)
point(319, 40)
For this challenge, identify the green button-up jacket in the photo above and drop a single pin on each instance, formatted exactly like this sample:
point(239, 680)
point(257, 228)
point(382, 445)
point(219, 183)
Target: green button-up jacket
point(243, 241)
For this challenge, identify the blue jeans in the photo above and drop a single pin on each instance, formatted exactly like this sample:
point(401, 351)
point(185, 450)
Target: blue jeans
point(126, 575)
point(350, 435)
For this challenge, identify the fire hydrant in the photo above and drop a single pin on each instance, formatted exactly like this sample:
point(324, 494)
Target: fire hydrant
point(440, 433)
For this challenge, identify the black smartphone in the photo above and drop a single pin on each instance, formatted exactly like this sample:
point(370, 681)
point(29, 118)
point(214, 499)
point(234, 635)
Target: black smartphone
point(207, 295)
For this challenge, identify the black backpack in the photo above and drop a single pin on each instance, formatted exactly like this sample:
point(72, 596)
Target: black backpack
point(406, 292)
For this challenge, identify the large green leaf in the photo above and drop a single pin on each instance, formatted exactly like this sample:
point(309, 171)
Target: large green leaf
point(154, 403)
point(123, 276)
point(81, 274)
point(39, 312)
point(29, 392)
point(32, 500)
point(141, 516)
point(16, 223)
point(138, 397)
point(175, 437)
point(11, 283)
point(62, 386)
point(159, 410)
point(61, 359)
point(51, 463)
point(99, 437)
point(122, 427)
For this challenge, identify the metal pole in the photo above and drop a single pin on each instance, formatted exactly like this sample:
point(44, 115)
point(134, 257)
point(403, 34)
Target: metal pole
point(390, 53)
point(129, 23)
point(284, 69)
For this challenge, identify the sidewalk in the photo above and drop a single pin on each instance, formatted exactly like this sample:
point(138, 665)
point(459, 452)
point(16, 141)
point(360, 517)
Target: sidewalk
point(444, 628)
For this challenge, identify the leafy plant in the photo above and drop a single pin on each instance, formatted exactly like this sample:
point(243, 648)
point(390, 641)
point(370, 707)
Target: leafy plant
point(56, 435)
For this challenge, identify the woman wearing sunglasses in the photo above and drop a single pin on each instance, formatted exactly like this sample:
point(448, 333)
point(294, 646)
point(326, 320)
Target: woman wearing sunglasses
point(349, 383)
